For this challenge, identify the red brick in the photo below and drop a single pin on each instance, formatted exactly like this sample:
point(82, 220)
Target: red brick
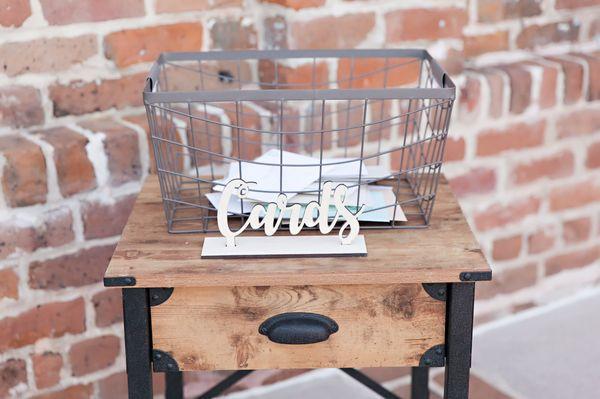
point(574, 195)
point(106, 220)
point(121, 146)
point(573, 79)
point(497, 10)
point(72, 392)
point(520, 87)
point(495, 82)
point(346, 31)
point(570, 4)
point(233, 35)
point(24, 178)
point(73, 11)
point(454, 149)
point(514, 137)
point(275, 33)
point(593, 87)
point(541, 240)
point(547, 93)
point(507, 248)
point(594, 30)
point(540, 35)
point(141, 120)
point(50, 320)
point(553, 166)
point(9, 284)
point(16, 238)
point(74, 169)
point(14, 12)
point(12, 373)
point(425, 23)
point(578, 123)
point(507, 281)
point(168, 6)
point(469, 101)
point(94, 354)
point(53, 229)
point(577, 230)
point(109, 307)
point(46, 54)
point(46, 368)
point(349, 116)
point(78, 97)
point(115, 385)
point(572, 260)
point(592, 160)
point(475, 181)
point(453, 61)
point(485, 43)
point(499, 215)
point(57, 227)
point(298, 77)
point(362, 73)
point(250, 140)
point(20, 106)
point(74, 270)
point(296, 4)
point(131, 46)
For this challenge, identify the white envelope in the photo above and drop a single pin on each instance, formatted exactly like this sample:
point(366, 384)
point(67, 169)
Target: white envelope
point(293, 179)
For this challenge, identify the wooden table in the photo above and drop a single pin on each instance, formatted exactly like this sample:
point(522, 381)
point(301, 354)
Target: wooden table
point(408, 303)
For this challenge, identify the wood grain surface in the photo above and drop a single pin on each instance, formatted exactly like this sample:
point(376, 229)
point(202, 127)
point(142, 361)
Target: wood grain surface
point(156, 258)
point(216, 328)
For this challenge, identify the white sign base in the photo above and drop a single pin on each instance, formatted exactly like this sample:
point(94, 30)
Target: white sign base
point(283, 247)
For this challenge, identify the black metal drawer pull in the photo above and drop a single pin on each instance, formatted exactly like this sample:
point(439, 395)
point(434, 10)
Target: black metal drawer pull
point(298, 328)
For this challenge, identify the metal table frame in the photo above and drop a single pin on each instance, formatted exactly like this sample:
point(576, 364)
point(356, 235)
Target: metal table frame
point(455, 355)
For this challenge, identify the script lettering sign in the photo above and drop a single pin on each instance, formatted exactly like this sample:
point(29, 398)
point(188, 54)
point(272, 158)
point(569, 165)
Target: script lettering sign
point(270, 217)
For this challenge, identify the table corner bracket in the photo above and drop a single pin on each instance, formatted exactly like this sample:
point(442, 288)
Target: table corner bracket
point(126, 281)
point(159, 295)
point(433, 357)
point(163, 362)
point(437, 291)
point(476, 276)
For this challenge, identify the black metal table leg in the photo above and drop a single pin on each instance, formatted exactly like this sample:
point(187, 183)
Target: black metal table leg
point(459, 338)
point(136, 318)
point(419, 383)
point(174, 385)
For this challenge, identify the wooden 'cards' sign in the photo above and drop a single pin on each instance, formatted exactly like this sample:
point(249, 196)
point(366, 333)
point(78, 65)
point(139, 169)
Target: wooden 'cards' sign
point(270, 218)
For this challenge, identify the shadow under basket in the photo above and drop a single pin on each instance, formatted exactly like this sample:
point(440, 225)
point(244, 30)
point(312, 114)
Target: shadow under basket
point(387, 111)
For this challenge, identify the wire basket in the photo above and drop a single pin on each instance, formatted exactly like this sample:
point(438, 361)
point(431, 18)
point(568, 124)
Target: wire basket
point(212, 113)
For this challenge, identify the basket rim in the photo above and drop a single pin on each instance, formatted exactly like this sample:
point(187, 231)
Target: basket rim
point(447, 89)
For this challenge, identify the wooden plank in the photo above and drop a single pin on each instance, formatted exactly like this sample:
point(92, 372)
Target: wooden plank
point(156, 258)
point(216, 328)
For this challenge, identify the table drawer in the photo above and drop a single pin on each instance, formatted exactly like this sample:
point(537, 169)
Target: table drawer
point(217, 328)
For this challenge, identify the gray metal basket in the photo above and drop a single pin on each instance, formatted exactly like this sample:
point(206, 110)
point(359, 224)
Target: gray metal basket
point(375, 107)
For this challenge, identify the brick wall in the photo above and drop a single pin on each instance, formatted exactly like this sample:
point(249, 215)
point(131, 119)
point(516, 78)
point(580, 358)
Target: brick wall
point(523, 153)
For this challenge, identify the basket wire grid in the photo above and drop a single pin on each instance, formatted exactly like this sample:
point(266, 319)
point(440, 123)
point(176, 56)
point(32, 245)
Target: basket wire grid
point(377, 107)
